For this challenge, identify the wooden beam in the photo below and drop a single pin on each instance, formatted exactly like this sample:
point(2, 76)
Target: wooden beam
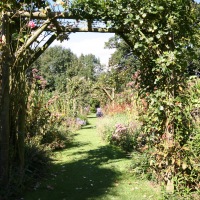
point(76, 29)
point(32, 39)
point(44, 16)
point(52, 16)
point(40, 50)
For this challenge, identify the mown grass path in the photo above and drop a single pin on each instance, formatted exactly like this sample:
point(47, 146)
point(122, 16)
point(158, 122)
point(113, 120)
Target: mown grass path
point(91, 169)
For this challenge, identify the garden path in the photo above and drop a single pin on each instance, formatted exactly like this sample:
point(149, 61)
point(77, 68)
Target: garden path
point(90, 169)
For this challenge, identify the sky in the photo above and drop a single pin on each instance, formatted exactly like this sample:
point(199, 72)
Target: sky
point(90, 43)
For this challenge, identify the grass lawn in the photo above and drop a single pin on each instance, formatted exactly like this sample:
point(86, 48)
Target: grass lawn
point(91, 169)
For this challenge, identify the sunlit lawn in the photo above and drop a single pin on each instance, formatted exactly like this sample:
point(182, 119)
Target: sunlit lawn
point(91, 169)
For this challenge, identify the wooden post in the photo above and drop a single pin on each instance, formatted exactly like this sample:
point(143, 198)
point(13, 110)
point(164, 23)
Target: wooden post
point(113, 97)
point(21, 122)
point(4, 109)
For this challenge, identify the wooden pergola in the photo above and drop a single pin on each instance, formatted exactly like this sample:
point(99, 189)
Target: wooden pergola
point(53, 25)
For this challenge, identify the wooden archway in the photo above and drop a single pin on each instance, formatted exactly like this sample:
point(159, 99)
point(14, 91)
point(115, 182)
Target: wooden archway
point(57, 25)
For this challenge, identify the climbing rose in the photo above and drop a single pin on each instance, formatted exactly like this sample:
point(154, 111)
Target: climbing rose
point(31, 24)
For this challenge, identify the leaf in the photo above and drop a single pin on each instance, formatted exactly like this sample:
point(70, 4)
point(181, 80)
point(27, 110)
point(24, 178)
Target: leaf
point(15, 36)
point(136, 45)
point(184, 165)
point(130, 15)
point(137, 17)
point(185, 148)
point(178, 162)
point(158, 36)
point(151, 162)
point(21, 40)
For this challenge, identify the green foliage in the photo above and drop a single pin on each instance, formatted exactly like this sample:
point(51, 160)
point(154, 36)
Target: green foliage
point(55, 138)
point(123, 61)
point(89, 66)
point(45, 123)
point(117, 130)
point(125, 137)
point(78, 93)
point(94, 103)
point(56, 65)
point(140, 166)
point(37, 162)
point(38, 116)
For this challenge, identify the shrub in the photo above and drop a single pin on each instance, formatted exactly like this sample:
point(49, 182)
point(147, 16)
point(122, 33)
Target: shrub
point(123, 135)
point(82, 119)
point(37, 162)
point(106, 125)
point(140, 165)
point(55, 138)
point(72, 124)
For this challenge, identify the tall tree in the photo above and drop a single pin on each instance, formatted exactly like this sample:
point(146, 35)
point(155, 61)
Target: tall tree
point(123, 57)
point(57, 65)
point(89, 66)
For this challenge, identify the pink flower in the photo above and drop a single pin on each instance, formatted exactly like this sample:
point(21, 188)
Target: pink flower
point(31, 24)
point(34, 70)
point(37, 77)
point(130, 84)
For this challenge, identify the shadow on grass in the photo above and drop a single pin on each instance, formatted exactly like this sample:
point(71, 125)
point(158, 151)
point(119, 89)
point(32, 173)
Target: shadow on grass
point(88, 127)
point(76, 144)
point(82, 179)
point(91, 116)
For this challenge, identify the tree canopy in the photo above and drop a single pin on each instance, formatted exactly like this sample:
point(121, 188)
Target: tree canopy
point(58, 65)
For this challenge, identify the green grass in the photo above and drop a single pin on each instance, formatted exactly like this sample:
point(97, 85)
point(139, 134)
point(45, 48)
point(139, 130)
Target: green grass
point(91, 169)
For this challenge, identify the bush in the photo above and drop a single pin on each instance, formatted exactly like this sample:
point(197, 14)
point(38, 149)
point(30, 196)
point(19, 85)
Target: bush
point(55, 139)
point(125, 135)
point(140, 165)
point(37, 162)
